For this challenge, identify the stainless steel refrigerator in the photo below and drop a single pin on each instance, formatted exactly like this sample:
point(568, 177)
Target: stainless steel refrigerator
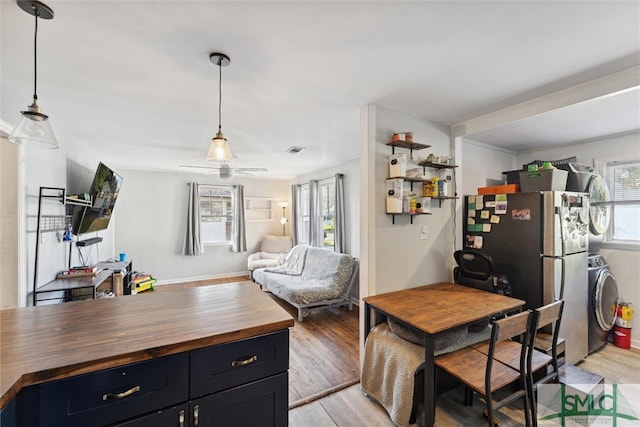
point(539, 240)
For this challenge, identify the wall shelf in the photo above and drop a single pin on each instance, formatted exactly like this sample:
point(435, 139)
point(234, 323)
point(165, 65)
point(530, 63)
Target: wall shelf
point(411, 215)
point(409, 145)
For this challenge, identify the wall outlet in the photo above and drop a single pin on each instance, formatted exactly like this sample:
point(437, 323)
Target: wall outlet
point(423, 232)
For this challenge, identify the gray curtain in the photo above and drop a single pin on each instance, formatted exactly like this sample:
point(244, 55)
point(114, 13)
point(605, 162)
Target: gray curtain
point(239, 229)
point(192, 243)
point(340, 242)
point(316, 234)
point(296, 228)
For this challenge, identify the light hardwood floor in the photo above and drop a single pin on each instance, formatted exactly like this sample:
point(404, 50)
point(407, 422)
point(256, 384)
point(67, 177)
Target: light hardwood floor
point(350, 407)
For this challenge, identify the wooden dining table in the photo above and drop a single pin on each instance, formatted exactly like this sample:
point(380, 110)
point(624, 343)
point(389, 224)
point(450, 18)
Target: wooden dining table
point(433, 309)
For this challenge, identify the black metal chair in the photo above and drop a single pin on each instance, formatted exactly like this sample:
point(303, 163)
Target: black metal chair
point(465, 365)
point(475, 269)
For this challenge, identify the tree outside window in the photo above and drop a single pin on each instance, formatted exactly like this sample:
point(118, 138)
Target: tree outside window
point(328, 210)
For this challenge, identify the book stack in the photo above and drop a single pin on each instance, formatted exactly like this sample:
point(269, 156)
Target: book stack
point(85, 270)
point(142, 282)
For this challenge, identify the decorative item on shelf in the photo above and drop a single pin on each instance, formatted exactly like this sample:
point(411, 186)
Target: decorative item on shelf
point(394, 195)
point(76, 272)
point(34, 129)
point(397, 165)
point(443, 190)
point(430, 188)
point(423, 205)
point(142, 282)
point(219, 150)
point(283, 220)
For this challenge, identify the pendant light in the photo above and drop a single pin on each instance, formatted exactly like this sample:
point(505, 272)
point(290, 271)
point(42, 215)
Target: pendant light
point(219, 150)
point(33, 129)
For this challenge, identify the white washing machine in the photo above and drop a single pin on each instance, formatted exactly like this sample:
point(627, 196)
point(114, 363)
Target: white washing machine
point(603, 300)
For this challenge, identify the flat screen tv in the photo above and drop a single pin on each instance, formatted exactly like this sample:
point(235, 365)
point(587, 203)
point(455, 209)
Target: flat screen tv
point(104, 192)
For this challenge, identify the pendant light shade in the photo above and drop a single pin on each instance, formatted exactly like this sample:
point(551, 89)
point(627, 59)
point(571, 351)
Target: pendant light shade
point(219, 150)
point(34, 129)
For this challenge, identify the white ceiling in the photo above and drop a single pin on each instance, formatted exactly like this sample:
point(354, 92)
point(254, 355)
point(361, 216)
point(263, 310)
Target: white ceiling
point(135, 77)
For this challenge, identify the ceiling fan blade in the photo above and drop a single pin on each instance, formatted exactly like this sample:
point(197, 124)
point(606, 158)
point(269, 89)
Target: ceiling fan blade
point(201, 167)
point(241, 171)
point(252, 169)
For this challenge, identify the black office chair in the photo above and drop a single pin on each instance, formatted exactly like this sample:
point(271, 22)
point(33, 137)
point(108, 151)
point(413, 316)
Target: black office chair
point(475, 269)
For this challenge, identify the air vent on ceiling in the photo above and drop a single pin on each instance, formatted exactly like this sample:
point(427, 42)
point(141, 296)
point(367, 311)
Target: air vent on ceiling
point(294, 150)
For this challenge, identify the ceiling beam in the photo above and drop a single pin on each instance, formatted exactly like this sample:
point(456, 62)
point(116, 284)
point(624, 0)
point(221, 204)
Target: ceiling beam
point(611, 84)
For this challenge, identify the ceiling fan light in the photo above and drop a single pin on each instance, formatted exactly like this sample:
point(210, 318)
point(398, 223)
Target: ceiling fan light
point(34, 130)
point(219, 150)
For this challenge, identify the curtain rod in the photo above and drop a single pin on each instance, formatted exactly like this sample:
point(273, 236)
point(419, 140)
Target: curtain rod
point(215, 185)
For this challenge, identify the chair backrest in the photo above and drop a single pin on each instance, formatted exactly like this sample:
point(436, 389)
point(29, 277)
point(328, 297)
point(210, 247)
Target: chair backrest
point(475, 269)
point(550, 314)
point(276, 244)
point(509, 327)
point(516, 325)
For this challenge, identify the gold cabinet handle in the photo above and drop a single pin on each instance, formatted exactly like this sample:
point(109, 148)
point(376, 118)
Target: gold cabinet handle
point(196, 409)
point(121, 395)
point(181, 418)
point(245, 361)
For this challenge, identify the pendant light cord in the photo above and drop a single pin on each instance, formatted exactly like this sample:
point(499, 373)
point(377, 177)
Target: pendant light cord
point(35, 59)
point(220, 96)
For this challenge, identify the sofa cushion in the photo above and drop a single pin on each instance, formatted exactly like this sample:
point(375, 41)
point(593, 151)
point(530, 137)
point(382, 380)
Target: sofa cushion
point(276, 244)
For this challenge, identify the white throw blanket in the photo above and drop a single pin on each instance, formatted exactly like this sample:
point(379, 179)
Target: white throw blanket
point(390, 363)
point(294, 263)
point(388, 368)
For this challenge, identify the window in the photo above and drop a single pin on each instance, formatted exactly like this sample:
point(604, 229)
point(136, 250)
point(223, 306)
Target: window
point(328, 209)
point(216, 214)
point(623, 179)
point(326, 216)
point(304, 214)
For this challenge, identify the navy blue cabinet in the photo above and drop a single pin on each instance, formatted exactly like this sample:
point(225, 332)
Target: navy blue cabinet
point(241, 383)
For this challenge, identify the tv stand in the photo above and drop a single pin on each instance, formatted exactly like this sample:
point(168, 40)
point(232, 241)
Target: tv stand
point(89, 242)
point(49, 223)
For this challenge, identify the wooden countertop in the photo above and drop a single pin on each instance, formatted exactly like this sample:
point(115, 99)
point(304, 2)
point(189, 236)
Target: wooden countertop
point(44, 343)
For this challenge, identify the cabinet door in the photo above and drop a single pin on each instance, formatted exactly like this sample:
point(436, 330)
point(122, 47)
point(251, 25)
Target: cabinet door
point(177, 416)
point(261, 403)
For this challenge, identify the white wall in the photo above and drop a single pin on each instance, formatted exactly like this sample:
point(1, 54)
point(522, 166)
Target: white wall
point(351, 171)
point(9, 242)
point(625, 264)
point(481, 164)
point(150, 224)
point(397, 257)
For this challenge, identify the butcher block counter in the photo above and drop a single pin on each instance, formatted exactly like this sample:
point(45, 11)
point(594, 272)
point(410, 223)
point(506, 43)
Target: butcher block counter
point(175, 349)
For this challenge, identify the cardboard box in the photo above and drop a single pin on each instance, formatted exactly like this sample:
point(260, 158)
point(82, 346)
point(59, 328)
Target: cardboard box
point(543, 180)
point(397, 165)
point(500, 189)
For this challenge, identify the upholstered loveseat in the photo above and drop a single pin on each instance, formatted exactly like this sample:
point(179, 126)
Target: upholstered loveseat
point(311, 278)
point(273, 251)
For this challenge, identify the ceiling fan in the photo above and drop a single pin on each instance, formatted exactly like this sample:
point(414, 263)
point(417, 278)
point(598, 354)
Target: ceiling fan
point(226, 171)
